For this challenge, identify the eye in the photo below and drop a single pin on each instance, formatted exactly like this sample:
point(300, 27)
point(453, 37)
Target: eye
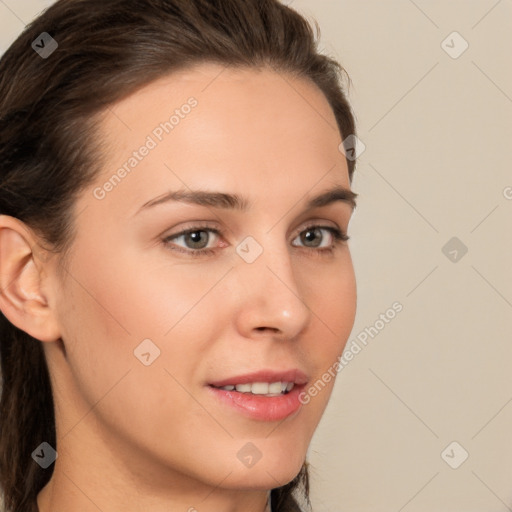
point(313, 237)
point(196, 240)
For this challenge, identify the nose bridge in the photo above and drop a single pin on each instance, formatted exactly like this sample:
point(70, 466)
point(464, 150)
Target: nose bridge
point(273, 296)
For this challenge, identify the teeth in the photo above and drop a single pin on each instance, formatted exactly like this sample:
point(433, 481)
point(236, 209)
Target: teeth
point(275, 387)
point(261, 388)
point(244, 388)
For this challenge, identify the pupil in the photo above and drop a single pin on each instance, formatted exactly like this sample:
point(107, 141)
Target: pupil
point(313, 232)
point(197, 238)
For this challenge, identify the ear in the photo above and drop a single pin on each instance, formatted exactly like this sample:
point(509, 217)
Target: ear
point(22, 275)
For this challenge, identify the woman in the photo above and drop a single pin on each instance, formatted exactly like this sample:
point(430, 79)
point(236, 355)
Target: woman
point(174, 270)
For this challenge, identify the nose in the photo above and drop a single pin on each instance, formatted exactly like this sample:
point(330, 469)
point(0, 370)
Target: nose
point(270, 301)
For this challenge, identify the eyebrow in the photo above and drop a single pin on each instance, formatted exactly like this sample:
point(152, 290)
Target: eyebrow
point(237, 202)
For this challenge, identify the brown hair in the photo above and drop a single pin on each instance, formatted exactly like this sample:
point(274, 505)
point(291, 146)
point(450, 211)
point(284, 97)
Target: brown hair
point(108, 49)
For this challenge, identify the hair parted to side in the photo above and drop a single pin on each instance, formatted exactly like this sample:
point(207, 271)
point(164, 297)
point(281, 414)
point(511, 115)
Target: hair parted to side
point(108, 49)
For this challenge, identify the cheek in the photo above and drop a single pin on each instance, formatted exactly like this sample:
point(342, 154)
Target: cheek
point(332, 298)
point(109, 312)
point(106, 315)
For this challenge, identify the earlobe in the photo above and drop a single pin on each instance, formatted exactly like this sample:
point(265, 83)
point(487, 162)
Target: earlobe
point(22, 300)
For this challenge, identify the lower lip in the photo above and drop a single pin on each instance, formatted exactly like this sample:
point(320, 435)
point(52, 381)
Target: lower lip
point(263, 408)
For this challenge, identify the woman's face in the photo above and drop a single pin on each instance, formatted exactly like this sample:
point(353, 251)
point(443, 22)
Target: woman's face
point(150, 318)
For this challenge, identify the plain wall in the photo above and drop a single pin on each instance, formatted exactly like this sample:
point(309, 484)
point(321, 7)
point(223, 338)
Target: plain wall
point(437, 132)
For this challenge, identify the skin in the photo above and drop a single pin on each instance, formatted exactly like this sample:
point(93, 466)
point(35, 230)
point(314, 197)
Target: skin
point(135, 437)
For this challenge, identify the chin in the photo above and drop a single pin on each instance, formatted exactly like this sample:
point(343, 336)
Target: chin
point(273, 469)
point(261, 477)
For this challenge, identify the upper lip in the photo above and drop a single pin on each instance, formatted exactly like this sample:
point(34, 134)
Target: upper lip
point(294, 375)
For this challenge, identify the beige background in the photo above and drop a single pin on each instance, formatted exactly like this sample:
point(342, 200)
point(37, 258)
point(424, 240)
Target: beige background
point(438, 137)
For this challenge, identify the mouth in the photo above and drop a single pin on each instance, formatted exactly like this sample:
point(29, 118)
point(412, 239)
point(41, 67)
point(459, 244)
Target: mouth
point(269, 389)
point(264, 395)
point(263, 382)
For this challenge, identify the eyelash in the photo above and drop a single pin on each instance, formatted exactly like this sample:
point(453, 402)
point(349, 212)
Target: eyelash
point(339, 237)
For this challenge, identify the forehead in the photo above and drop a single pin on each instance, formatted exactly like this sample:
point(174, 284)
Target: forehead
point(215, 127)
point(216, 84)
